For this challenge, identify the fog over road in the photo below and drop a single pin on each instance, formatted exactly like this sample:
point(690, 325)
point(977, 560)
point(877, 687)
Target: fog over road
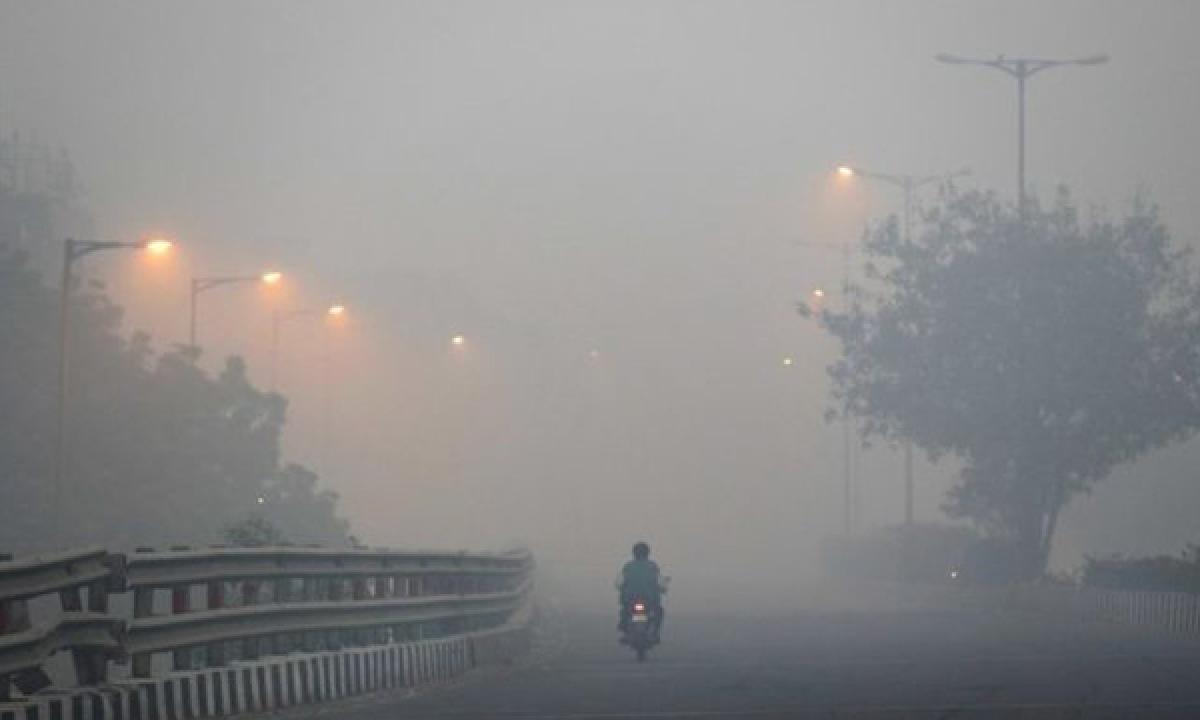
point(901, 663)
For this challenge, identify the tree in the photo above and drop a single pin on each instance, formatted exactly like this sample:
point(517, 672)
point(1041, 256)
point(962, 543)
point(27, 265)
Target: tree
point(159, 451)
point(1042, 352)
point(254, 531)
point(292, 502)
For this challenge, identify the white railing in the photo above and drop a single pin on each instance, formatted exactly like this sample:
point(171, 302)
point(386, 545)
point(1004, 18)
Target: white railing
point(193, 611)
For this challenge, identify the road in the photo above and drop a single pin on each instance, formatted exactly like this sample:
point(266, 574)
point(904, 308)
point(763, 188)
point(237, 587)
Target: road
point(895, 664)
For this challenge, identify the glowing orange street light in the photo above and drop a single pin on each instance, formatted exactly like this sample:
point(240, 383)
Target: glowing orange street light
point(202, 284)
point(818, 293)
point(788, 361)
point(336, 310)
point(157, 246)
point(74, 250)
point(458, 340)
point(846, 171)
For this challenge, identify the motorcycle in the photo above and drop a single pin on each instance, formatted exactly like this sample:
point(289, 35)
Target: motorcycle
point(641, 632)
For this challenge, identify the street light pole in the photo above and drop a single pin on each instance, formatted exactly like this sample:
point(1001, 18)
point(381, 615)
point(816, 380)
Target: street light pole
point(908, 184)
point(74, 250)
point(202, 284)
point(847, 435)
point(1020, 69)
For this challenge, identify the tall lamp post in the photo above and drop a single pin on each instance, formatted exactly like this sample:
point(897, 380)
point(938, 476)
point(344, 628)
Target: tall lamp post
point(845, 250)
point(908, 184)
point(1020, 69)
point(278, 318)
point(203, 284)
point(74, 250)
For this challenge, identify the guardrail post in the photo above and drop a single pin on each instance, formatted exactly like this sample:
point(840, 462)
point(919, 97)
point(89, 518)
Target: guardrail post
point(385, 587)
point(337, 592)
point(359, 592)
point(84, 660)
point(181, 602)
point(91, 666)
point(281, 592)
point(215, 652)
point(250, 646)
point(143, 607)
point(310, 591)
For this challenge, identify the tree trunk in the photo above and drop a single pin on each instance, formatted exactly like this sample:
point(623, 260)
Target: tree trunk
point(1056, 505)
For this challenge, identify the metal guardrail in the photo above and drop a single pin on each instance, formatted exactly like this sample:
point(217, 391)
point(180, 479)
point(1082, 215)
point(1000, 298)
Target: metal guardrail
point(23, 579)
point(164, 569)
point(92, 632)
point(92, 636)
point(174, 632)
point(230, 604)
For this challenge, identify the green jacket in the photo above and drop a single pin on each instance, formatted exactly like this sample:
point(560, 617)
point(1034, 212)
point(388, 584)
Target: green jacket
point(640, 578)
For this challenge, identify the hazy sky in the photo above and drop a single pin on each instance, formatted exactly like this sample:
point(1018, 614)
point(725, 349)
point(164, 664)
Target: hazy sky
point(556, 178)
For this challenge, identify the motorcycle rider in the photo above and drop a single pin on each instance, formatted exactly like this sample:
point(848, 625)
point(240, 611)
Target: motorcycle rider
point(641, 579)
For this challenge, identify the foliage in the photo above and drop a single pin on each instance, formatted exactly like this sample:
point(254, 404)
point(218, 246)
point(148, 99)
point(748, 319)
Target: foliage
point(254, 531)
point(291, 499)
point(1161, 572)
point(159, 451)
point(1041, 351)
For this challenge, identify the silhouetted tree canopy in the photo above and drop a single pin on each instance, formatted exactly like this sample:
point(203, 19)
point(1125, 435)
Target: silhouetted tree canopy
point(254, 531)
point(160, 451)
point(1041, 352)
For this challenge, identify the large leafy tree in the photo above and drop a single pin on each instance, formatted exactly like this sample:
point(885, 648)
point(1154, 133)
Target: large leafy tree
point(160, 451)
point(1041, 351)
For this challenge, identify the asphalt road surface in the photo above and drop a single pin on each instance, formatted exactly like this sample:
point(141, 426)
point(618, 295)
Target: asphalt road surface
point(895, 664)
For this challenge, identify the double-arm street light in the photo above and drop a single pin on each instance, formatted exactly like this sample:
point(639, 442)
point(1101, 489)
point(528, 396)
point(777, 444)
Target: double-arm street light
point(908, 184)
point(203, 284)
point(278, 318)
point(1021, 69)
point(74, 250)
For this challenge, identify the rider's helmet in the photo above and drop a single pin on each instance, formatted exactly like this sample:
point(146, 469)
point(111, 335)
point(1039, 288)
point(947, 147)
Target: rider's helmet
point(641, 551)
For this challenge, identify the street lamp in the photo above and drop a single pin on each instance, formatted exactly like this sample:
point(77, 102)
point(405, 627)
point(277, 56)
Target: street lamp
point(458, 341)
point(1020, 69)
point(203, 284)
point(332, 311)
point(908, 184)
point(74, 250)
point(845, 250)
